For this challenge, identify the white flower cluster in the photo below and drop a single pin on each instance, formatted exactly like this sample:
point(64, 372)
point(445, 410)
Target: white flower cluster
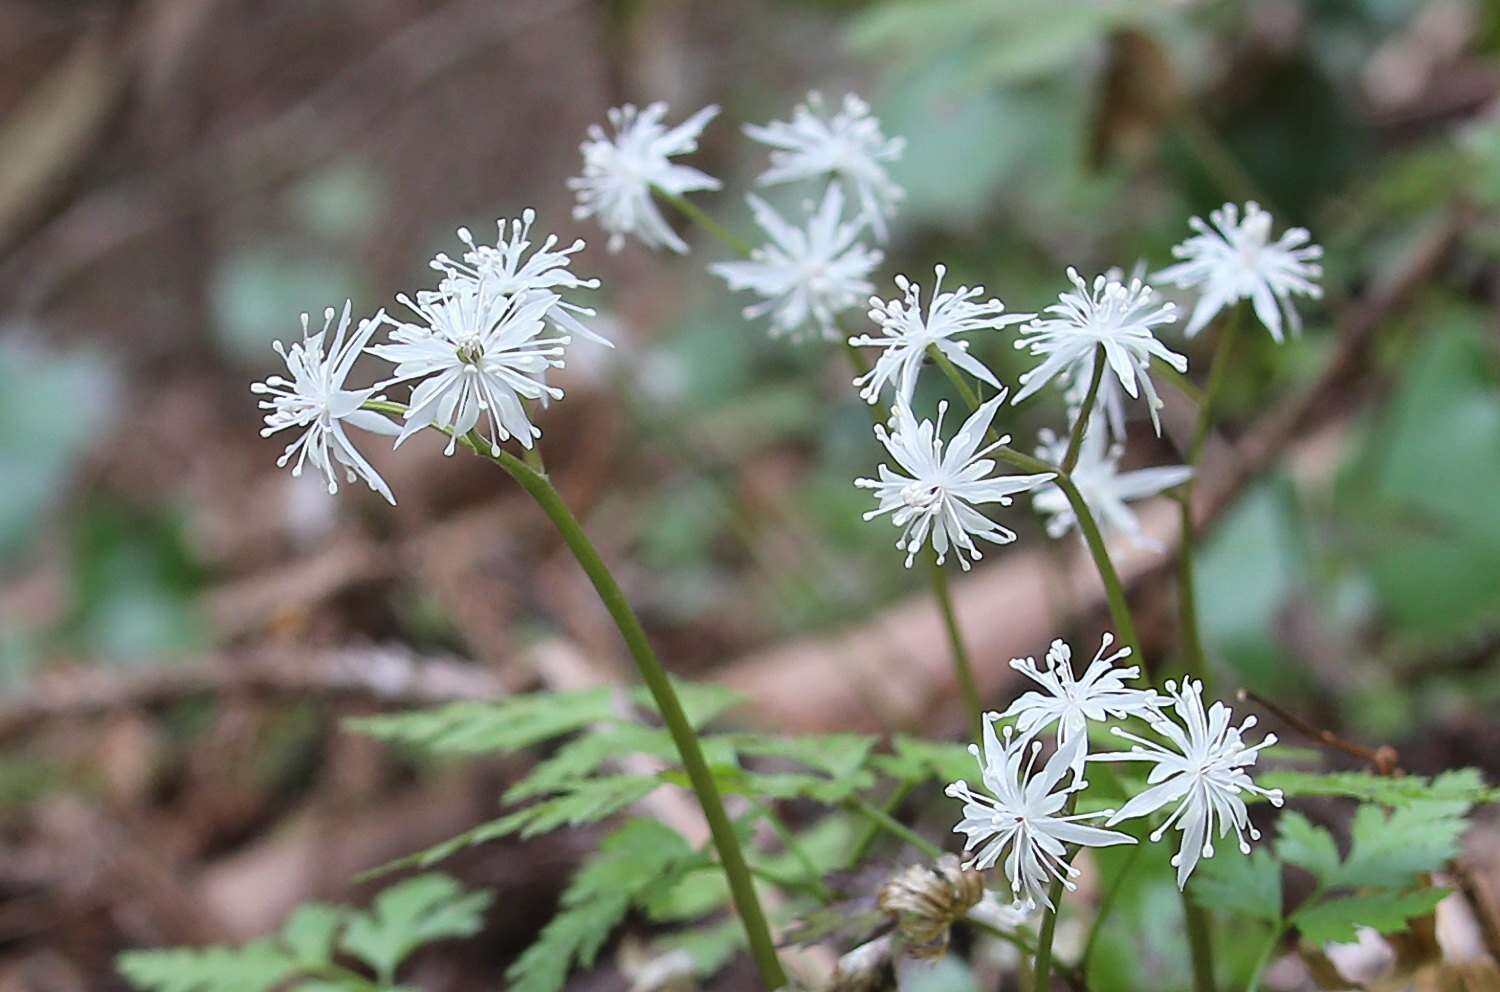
point(476, 349)
point(1023, 819)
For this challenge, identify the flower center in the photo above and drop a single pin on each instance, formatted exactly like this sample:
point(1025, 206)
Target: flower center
point(471, 352)
point(922, 495)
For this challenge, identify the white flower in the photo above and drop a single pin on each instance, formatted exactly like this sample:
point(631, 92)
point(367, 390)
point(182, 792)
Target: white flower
point(509, 272)
point(938, 493)
point(805, 274)
point(1203, 772)
point(906, 334)
point(619, 173)
point(848, 144)
point(1071, 702)
point(315, 400)
point(478, 352)
point(1104, 488)
point(1117, 315)
point(1021, 816)
point(1236, 260)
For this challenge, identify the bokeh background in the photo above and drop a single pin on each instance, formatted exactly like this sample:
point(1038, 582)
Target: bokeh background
point(182, 626)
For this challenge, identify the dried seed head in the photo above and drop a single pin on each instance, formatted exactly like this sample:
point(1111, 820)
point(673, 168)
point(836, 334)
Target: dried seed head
point(927, 901)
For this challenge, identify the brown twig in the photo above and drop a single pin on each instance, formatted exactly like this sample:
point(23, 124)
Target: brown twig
point(1384, 759)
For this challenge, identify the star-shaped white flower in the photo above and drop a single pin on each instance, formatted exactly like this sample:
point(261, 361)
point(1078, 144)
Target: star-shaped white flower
point(508, 270)
point(620, 171)
point(805, 274)
point(847, 144)
point(478, 353)
point(1071, 702)
point(906, 334)
point(315, 400)
point(1121, 317)
point(1104, 488)
point(1203, 772)
point(940, 487)
point(1023, 817)
point(1236, 259)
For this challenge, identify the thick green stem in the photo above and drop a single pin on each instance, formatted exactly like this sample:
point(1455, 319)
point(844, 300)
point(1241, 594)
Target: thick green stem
point(698, 216)
point(967, 688)
point(1085, 411)
point(1200, 944)
point(731, 857)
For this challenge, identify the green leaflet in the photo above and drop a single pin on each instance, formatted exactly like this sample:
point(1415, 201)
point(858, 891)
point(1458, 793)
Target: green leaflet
point(477, 728)
point(639, 856)
point(403, 918)
point(1233, 882)
point(406, 916)
point(1464, 785)
point(1336, 920)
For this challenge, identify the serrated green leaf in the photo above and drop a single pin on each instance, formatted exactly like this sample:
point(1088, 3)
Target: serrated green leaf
point(786, 785)
point(1309, 847)
point(1338, 920)
point(1237, 883)
point(636, 857)
point(1391, 851)
point(588, 753)
point(258, 966)
point(710, 947)
point(836, 755)
point(1464, 785)
point(508, 725)
point(915, 760)
point(406, 916)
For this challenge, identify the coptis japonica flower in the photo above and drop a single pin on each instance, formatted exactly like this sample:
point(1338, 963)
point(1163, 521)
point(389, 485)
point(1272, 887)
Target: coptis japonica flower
point(620, 171)
point(478, 352)
point(508, 271)
point(805, 274)
point(1203, 772)
point(937, 494)
point(848, 144)
point(1020, 817)
point(906, 334)
point(1104, 488)
point(1236, 259)
point(1070, 701)
point(315, 400)
point(1119, 316)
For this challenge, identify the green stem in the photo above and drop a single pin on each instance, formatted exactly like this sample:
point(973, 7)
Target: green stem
point(895, 827)
point(1081, 424)
point(731, 857)
point(873, 829)
point(967, 688)
point(814, 880)
point(1218, 368)
point(1200, 944)
point(1042, 972)
point(963, 671)
point(1264, 957)
point(698, 216)
point(1195, 659)
point(1114, 590)
point(1107, 903)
